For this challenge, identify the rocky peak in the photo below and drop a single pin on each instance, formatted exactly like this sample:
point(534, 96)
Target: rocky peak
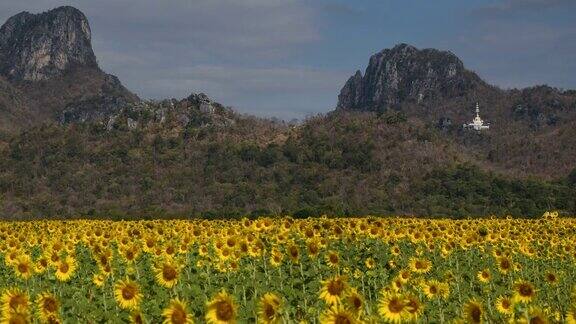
point(41, 46)
point(406, 74)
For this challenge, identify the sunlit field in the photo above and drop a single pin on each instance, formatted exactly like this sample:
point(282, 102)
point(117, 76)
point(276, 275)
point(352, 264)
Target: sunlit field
point(282, 270)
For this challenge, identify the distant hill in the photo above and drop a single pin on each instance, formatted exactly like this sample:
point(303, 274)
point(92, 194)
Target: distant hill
point(74, 142)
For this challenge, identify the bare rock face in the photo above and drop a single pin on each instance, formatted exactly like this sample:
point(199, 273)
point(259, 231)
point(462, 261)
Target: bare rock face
point(405, 73)
point(42, 46)
point(48, 60)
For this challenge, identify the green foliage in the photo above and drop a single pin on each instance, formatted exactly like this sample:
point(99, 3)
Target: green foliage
point(343, 167)
point(465, 190)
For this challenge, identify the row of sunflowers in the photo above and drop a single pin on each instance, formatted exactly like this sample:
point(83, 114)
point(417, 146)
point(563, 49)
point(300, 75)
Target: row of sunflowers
point(283, 270)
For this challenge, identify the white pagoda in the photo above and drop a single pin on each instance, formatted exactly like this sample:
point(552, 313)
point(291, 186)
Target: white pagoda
point(477, 123)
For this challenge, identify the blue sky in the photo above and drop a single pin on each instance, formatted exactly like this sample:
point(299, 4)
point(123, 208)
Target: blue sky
point(289, 58)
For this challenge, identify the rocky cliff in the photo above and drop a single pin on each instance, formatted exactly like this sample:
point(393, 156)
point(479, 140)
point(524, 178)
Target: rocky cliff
point(48, 66)
point(43, 46)
point(407, 74)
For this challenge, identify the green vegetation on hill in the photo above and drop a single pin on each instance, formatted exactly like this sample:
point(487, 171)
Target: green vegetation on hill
point(339, 165)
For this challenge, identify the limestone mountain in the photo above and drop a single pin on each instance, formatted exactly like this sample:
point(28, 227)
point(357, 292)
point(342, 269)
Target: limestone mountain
point(41, 47)
point(47, 64)
point(406, 74)
point(532, 131)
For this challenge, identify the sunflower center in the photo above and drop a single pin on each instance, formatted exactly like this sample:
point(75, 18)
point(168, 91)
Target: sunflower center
point(178, 316)
point(433, 289)
point(129, 292)
point(17, 300)
point(342, 319)
point(476, 314)
point(269, 312)
point(333, 258)
point(294, 252)
point(313, 248)
point(49, 305)
point(537, 320)
point(224, 311)
point(506, 304)
point(64, 267)
point(23, 268)
point(169, 273)
point(525, 290)
point(413, 306)
point(356, 302)
point(395, 306)
point(18, 319)
point(335, 287)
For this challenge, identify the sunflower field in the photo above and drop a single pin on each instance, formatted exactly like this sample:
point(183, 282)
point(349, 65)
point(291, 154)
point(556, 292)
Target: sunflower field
point(283, 270)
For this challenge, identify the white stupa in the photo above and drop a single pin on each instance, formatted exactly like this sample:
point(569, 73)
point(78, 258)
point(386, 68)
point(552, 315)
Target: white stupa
point(477, 123)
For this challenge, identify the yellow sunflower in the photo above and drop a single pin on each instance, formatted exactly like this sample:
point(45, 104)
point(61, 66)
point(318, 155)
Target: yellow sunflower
point(505, 305)
point(270, 309)
point(535, 316)
point(370, 263)
point(167, 273)
point(430, 288)
point(99, 278)
point(354, 301)
point(19, 315)
point(404, 275)
point(136, 317)
point(127, 294)
point(23, 266)
point(393, 307)
point(339, 315)
point(313, 248)
point(333, 259)
point(473, 312)
point(276, 257)
point(41, 264)
point(524, 291)
point(334, 289)
point(434, 289)
point(293, 252)
point(551, 278)
point(14, 299)
point(65, 268)
point(571, 315)
point(505, 264)
point(414, 306)
point(47, 306)
point(420, 265)
point(484, 275)
point(177, 313)
point(221, 309)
